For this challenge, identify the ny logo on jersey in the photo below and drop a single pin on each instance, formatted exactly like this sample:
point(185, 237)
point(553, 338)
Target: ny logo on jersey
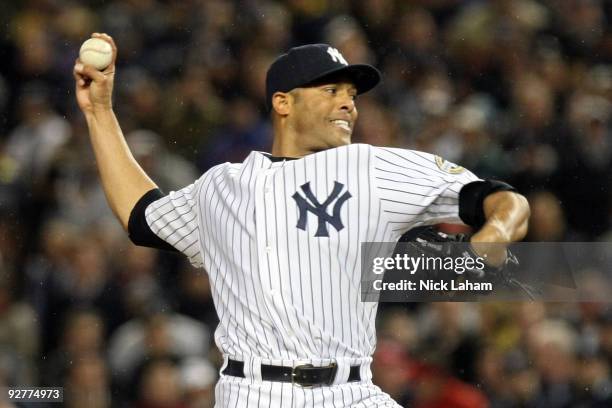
point(320, 209)
point(336, 56)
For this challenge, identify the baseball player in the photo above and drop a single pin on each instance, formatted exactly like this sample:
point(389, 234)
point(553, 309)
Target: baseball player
point(279, 234)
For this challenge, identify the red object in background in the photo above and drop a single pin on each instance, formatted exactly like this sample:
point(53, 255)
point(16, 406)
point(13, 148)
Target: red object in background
point(434, 388)
point(431, 386)
point(454, 228)
point(455, 394)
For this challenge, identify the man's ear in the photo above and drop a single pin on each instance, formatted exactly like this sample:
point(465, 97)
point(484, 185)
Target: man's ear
point(281, 103)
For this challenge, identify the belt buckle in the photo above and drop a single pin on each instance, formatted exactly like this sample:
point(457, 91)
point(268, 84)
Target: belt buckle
point(332, 377)
point(333, 366)
point(293, 375)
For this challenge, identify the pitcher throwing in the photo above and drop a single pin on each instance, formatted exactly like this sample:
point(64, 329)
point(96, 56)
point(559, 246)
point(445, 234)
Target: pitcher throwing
point(280, 233)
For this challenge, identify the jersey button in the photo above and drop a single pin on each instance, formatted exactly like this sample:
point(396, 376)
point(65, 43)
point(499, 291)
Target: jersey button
point(268, 249)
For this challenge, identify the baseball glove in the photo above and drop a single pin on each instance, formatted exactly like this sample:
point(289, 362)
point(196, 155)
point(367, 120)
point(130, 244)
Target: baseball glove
point(430, 243)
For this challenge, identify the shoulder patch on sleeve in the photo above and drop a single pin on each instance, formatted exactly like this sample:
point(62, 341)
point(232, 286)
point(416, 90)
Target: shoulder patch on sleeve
point(447, 166)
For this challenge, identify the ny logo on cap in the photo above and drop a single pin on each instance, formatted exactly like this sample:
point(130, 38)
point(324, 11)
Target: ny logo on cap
point(336, 56)
point(320, 209)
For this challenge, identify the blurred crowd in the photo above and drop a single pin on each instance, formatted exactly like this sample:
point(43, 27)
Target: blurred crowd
point(519, 90)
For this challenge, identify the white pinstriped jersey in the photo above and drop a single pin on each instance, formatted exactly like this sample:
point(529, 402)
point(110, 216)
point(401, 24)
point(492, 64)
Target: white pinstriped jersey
point(281, 243)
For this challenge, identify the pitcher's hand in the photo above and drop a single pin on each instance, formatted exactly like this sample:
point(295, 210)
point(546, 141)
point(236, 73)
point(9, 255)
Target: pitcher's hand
point(94, 88)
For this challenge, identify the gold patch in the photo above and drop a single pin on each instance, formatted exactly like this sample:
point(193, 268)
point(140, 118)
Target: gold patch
point(447, 166)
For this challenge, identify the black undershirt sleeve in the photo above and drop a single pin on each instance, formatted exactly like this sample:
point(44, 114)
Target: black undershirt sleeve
point(471, 200)
point(138, 229)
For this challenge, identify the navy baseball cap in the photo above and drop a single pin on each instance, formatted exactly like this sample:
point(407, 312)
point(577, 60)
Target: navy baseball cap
point(308, 64)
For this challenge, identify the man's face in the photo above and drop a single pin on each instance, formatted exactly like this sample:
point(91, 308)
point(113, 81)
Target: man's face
point(325, 113)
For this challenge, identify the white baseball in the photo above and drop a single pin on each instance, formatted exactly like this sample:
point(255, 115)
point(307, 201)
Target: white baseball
point(97, 53)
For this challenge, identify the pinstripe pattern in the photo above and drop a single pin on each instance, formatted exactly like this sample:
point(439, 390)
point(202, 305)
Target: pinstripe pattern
point(284, 295)
point(239, 392)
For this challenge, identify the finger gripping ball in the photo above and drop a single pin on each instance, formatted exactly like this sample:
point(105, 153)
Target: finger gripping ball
point(97, 53)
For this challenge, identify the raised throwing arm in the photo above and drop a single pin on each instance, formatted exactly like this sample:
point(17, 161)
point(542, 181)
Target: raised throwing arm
point(124, 181)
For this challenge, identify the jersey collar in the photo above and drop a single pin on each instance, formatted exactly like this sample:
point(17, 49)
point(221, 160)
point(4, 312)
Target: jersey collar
point(277, 158)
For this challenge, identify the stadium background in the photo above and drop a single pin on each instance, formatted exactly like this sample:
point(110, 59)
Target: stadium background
point(517, 90)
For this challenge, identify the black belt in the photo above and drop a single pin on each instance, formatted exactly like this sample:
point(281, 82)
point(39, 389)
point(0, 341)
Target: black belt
point(305, 375)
